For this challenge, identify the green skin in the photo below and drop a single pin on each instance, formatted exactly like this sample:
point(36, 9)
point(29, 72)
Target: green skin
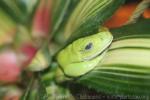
point(84, 54)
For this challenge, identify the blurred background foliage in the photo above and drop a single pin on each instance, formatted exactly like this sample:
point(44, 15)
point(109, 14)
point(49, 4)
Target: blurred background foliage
point(32, 32)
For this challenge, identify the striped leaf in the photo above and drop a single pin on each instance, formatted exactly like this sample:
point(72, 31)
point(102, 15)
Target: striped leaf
point(88, 16)
point(41, 60)
point(125, 70)
point(62, 9)
point(59, 15)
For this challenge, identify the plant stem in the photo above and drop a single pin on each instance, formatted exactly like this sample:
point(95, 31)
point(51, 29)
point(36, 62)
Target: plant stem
point(27, 92)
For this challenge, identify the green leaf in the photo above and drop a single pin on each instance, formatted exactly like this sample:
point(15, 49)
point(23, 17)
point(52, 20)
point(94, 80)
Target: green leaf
point(8, 28)
point(139, 29)
point(61, 12)
point(18, 9)
point(27, 5)
point(88, 16)
point(125, 70)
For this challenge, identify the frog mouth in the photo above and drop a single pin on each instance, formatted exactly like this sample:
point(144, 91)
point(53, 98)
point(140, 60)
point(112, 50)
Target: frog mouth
point(97, 54)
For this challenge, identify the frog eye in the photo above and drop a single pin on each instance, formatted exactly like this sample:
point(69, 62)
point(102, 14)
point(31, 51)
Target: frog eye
point(89, 46)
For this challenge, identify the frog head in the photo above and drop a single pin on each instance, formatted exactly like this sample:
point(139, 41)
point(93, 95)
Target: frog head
point(83, 54)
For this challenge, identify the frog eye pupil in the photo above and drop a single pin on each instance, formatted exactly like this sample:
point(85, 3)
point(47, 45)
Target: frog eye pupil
point(89, 46)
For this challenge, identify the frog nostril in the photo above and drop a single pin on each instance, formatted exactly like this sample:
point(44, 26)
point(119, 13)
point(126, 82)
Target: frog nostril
point(88, 46)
